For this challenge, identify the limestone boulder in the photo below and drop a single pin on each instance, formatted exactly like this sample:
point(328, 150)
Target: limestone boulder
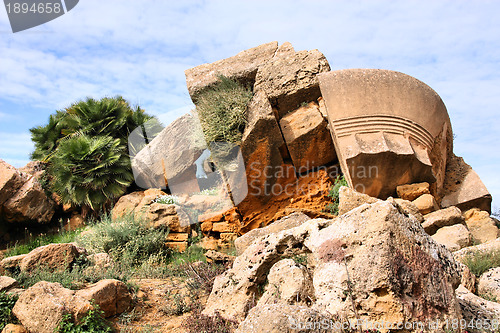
point(464, 188)
point(307, 137)
point(350, 199)
point(167, 216)
point(29, 203)
point(442, 218)
point(53, 257)
point(169, 158)
point(491, 246)
point(454, 237)
point(288, 222)
point(127, 204)
point(475, 308)
point(11, 180)
point(408, 208)
point(112, 296)
point(374, 258)
point(42, 307)
point(482, 227)
point(290, 79)
point(13, 328)
point(426, 203)
point(469, 280)
point(288, 282)
point(260, 145)
point(412, 191)
point(12, 263)
point(241, 67)
point(489, 284)
point(389, 129)
point(283, 318)
point(6, 283)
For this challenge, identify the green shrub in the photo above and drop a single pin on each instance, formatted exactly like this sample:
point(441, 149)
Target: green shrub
point(92, 322)
point(333, 207)
point(222, 111)
point(7, 302)
point(167, 199)
point(481, 261)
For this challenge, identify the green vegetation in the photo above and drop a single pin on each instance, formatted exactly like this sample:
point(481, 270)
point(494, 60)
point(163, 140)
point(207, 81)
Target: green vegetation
point(222, 111)
point(6, 304)
point(86, 151)
point(197, 322)
point(333, 207)
point(32, 243)
point(93, 321)
point(481, 261)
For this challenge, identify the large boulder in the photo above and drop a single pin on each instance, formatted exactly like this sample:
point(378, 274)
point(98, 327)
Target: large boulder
point(454, 237)
point(350, 199)
point(127, 204)
point(477, 310)
point(307, 138)
point(412, 191)
point(241, 67)
point(491, 246)
point(283, 318)
point(289, 79)
point(112, 296)
point(287, 222)
point(11, 180)
point(389, 129)
point(6, 283)
point(482, 227)
point(374, 259)
point(489, 284)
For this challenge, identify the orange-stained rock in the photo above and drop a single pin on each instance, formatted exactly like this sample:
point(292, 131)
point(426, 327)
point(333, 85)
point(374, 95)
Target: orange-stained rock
point(426, 203)
point(178, 246)
point(307, 137)
point(482, 227)
point(13, 328)
point(11, 180)
point(56, 257)
point(112, 296)
point(127, 204)
point(389, 129)
point(75, 222)
point(463, 188)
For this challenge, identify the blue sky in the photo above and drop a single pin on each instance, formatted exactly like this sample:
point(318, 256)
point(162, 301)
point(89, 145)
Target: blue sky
point(140, 49)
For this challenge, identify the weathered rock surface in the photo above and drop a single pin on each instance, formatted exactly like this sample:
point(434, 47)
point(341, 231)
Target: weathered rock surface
point(383, 258)
point(307, 137)
point(408, 208)
point(482, 227)
point(490, 246)
point(7, 283)
point(112, 296)
point(468, 280)
point(442, 218)
point(260, 145)
point(282, 318)
point(289, 283)
point(350, 199)
point(463, 188)
point(475, 308)
point(290, 79)
point(285, 223)
point(12, 328)
point(54, 257)
point(241, 67)
point(412, 191)
point(22, 198)
point(389, 129)
point(11, 180)
point(454, 237)
point(489, 284)
point(127, 204)
point(426, 203)
point(169, 158)
point(41, 307)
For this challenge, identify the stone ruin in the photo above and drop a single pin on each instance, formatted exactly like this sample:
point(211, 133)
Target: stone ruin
point(305, 125)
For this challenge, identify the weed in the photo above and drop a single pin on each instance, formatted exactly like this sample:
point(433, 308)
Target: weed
point(197, 322)
point(176, 305)
point(333, 207)
point(167, 199)
point(32, 243)
point(6, 304)
point(481, 261)
point(300, 259)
